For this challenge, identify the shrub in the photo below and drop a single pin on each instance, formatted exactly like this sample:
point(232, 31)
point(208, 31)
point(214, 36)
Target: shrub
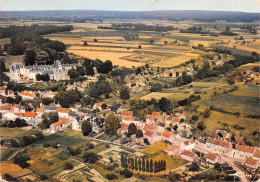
point(111, 176)
point(126, 173)
point(68, 166)
point(46, 145)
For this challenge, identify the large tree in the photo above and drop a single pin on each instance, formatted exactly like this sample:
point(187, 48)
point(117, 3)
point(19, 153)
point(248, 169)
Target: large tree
point(86, 127)
point(124, 93)
point(139, 133)
point(131, 129)
point(112, 123)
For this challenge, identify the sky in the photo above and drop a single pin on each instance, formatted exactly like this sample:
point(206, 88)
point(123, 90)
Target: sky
point(132, 5)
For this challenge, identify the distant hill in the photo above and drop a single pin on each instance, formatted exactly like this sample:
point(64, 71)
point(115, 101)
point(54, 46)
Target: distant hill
point(162, 14)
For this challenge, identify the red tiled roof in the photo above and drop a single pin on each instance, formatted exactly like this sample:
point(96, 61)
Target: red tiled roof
point(149, 127)
point(212, 156)
point(149, 133)
point(52, 105)
point(19, 114)
point(100, 104)
point(251, 161)
point(218, 142)
point(57, 123)
point(63, 110)
point(257, 154)
point(5, 107)
point(188, 142)
point(188, 153)
point(129, 118)
point(245, 148)
point(176, 119)
point(155, 114)
point(184, 114)
point(30, 114)
point(64, 120)
point(128, 113)
point(167, 134)
point(27, 94)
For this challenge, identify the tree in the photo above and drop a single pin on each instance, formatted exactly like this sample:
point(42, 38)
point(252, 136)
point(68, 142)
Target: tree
point(194, 167)
point(95, 40)
point(86, 128)
point(90, 157)
point(139, 164)
point(68, 166)
point(151, 165)
point(175, 127)
point(85, 43)
point(124, 93)
point(29, 57)
point(165, 105)
point(22, 161)
point(136, 164)
point(230, 79)
point(112, 124)
point(104, 106)
point(139, 47)
point(151, 41)
point(132, 129)
point(147, 166)
point(143, 164)
point(165, 42)
point(2, 64)
point(139, 133)
point(155, 167)
point(174, 176)
point(122, 160)
point(201, 126)
point(206, 113)
point(47, 101)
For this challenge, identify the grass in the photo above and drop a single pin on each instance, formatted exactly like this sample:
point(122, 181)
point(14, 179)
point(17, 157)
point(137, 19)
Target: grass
point(67, 141)
point(58, 167)
point(104, 172)
point(155, 148)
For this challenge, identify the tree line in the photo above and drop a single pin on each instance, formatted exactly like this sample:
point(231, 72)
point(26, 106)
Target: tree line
point(140, 164)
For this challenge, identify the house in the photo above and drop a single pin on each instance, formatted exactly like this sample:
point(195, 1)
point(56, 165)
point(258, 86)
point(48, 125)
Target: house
point(219, 146)
point(63, 112)
point(9, 116)
point(151, 136)
point(183, 115)
point(161, 127)
point(200, 146)
point(6, 108)
point(175, 121)
point(39, 112)
point(187, 145)
point(18, 108)
point(30, 117)
point(123, 129)
point(76, 125)
point(172, 149)
point(168, 136)
point(188, 155)
point(212, 158)
point(126, 113)
point(252, 163)
point(243, 152)
point(27, 95)
point(55, 127)
point(240, 141)
point(50, 109)
point(98, 105)
point(257, 155)
point(150, 128)
point(128, 119)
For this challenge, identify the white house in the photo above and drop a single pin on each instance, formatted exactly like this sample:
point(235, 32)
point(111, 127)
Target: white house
point(188, 155)
point(212, 158)
point(63, 112)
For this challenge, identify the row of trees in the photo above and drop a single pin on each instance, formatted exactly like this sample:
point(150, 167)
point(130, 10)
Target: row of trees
point(44, 77)
point(139, 27)
point(16, 123)
point(139, 164)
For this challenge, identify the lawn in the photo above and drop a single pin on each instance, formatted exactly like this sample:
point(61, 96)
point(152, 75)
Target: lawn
point(155, 148)
point(62, 139)
point(172, 162)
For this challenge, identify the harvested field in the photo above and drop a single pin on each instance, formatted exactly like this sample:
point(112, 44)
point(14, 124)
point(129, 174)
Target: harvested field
point(155, 148)
point(102, 55)
point(7, 167)
point(97, 48)
point(175, 61)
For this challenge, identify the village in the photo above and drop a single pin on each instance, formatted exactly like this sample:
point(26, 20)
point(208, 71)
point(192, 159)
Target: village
point(181, 138)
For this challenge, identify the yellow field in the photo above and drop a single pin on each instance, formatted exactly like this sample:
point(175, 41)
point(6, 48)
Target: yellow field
point(66, 40)
point(175, 61)
point(103, 38)
point(177, 47)
point(78, 30)
point(156, 95)
point(155, 148)
point(109, 49)
point(114, 57)
point(6, 167)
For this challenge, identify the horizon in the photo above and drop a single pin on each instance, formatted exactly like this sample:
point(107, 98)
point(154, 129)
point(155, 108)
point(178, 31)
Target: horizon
point(245, 6)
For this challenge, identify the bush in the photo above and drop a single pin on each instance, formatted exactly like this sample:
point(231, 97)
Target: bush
point(43, 177)
point(107, 145)
point(68, 166)
point(126, 173)
point(111, 176)
point(90, 157)
point(46, 145)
